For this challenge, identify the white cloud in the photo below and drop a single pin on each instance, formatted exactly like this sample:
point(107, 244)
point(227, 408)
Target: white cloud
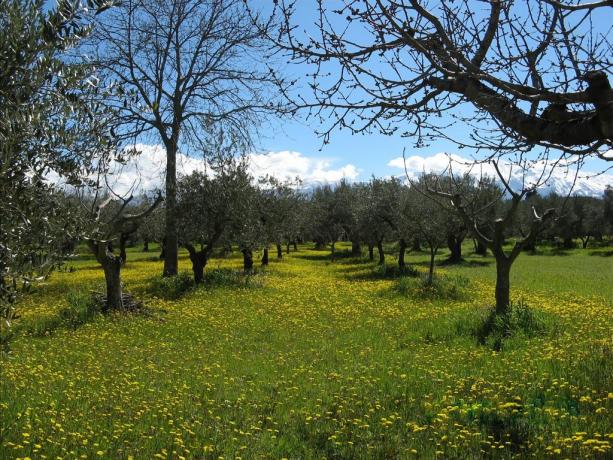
point(558, 179)
point(145, 172)
point(289, 165)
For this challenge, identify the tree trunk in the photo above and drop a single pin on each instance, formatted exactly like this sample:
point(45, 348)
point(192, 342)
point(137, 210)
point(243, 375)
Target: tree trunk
point(455, 247)
point(480, 248)
point(265, 257)
point(356, 249)
point(402, 246)
point(371, 251)
point(319, 245)
point(112, 277)
point(287, 247)
point(199, 260)
point(171, 248)
point(146, 245)
point(585, 241)
point(247, 260)
point(568, 243)
point(503, 285)
point(416, 245)
point(279, 251)
point(333, 248)
point(123, 239)
point(295, 246)
point(163, 251)
point(431, 269)
point(381, 253)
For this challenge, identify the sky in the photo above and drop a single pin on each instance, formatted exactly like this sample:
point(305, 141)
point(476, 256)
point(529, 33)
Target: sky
point(288, 148)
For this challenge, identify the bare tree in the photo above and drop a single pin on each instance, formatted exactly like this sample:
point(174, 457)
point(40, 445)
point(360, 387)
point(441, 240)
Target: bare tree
point(530, 73)
point(185, 65)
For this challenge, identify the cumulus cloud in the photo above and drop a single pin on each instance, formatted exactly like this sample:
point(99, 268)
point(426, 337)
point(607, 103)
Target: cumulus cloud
point(145, 172)
point(289, 165)
point(559, 179)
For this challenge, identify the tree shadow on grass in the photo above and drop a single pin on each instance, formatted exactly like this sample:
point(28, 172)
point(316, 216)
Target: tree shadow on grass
point(601, 253)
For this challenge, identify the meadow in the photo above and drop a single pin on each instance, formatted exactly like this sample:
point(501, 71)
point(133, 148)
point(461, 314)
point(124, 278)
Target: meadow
point(314, 359)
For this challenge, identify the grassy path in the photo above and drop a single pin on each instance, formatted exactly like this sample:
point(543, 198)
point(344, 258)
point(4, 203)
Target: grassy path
point(310, 360)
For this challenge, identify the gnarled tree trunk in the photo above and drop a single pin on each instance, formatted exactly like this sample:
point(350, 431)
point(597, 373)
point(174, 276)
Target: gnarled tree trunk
point(454, 243)
point(371, 251)
point(111, 265)
point(199, 260)
point(356, 248)
point(503, 284)
point(265, 257)
point(402, 246)
point(247, 260)
point(380, 250)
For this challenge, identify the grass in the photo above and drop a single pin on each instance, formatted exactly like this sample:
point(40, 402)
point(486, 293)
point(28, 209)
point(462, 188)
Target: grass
point(314, 360)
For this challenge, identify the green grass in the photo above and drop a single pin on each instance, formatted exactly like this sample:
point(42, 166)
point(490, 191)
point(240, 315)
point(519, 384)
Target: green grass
point(314, 360)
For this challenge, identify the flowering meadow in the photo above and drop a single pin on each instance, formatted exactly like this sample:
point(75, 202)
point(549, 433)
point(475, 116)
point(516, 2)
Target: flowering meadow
point(315, 359)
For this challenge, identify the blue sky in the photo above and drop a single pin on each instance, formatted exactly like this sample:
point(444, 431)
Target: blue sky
point(370, 153)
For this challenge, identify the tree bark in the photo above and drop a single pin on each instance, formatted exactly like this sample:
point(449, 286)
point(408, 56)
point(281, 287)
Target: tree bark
point(146, 245)
point(380, 250)
point(265, 257)
point(480, 248)
point(112, 278)
point(295, 245)
point(199, 260)
point(287, 247)
point(569, 128)
point(123, 239)
point(356, 249)
point(585, 241)
point(402, 246)
point(279, 251)
point(371, 251)
point(416, 245)
point(247, 260)
point(171, 248)
point(163, 251)
point(454, 243)
point(433, 252)
point(503, 285)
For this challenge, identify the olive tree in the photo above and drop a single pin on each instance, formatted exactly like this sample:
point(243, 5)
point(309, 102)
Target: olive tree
point(492, 234)
point(51, 130)
point(210, 207)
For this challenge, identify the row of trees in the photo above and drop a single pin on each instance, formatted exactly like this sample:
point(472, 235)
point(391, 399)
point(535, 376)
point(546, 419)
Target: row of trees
point(227, 207)
point(81, 81)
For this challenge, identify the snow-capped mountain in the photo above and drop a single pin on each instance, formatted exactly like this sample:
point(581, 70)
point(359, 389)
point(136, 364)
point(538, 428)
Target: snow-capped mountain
point(559, 179)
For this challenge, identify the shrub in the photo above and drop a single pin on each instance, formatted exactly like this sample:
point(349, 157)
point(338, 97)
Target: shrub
point(172, 287)
point(394, 271)
point(520, 320)
point(80, 309)
point(229, 277)
point(442, 287)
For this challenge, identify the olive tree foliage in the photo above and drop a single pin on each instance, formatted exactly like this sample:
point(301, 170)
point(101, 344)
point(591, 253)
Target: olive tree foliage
point(519, 73)
point(330, 212)
point(50, 127)
point(279, 213)
point(211, 209)
point(378, 219)
point(185, 65)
